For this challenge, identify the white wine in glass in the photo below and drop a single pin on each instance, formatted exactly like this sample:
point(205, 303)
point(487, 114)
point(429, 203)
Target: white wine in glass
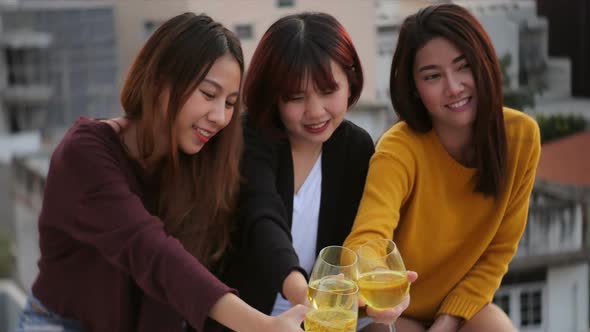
point(334, 300)
point(383, 289)
point(333, 292)
point(383, 281)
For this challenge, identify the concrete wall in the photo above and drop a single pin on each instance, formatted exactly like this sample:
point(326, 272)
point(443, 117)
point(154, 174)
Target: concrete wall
point(559, 83)
point(27, 206)
point(11, 146)
point(568, 298)
point(505, 37)
point(554, 226)
point(12, 301)
point(27, 243)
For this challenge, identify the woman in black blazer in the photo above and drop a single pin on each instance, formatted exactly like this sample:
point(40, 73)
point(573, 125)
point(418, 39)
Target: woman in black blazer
point(304, 76)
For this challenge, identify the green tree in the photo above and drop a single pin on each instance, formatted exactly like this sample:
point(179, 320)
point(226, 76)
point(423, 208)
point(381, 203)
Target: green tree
point(555, 126)
point(6, 258)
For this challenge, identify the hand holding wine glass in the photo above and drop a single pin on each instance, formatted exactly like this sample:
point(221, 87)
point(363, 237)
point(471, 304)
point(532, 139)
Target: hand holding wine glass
point(389, 316)
point(383, 281)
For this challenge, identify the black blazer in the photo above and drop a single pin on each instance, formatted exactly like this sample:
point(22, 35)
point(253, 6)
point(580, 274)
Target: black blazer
point(263, 254)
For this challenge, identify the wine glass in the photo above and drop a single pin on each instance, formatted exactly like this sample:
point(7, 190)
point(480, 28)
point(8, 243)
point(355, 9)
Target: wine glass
point(383, 282)
point(333, 292)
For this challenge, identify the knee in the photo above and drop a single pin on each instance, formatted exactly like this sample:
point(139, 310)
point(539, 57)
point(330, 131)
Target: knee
point(489, 318)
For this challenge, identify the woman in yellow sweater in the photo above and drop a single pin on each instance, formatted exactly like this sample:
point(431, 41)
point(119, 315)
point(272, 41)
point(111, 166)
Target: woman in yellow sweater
point(450, 182)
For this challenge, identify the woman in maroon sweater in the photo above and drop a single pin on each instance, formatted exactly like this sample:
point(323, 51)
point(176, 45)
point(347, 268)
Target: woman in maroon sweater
point(136, 213)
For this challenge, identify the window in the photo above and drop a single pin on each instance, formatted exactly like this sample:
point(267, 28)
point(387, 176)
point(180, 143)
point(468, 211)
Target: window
point(530, 308)
point(503, 301)
point(244, 31)
point(26, 66)
point(285, 3)
point(24, 117)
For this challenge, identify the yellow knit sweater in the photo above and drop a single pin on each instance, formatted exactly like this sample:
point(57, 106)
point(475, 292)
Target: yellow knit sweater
point(460, 242)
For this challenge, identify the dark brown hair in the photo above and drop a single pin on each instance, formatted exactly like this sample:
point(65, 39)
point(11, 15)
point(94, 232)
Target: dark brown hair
point(457, 25)
point(197, 193)
point(293, 47)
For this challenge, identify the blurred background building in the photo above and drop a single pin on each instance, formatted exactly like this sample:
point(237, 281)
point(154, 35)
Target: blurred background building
point(61, 59)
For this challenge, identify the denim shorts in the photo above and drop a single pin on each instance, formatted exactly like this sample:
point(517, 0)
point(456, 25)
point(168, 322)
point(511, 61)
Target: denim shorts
point(37, 318)
point(363, 322)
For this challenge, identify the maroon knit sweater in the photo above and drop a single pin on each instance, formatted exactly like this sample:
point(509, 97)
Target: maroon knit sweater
point(106, 261)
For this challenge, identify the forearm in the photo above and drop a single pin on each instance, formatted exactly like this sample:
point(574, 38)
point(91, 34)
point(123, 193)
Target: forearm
point(385, 191)
point(235, 314)
point(295, 288)
point(272, 254)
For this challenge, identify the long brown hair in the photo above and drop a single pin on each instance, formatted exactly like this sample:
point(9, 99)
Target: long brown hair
point(457, 25)
point(292, 47)
point(197, 193)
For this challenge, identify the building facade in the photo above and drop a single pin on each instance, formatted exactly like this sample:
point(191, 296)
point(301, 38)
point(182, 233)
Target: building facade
point(60, 62)
point(546, 288)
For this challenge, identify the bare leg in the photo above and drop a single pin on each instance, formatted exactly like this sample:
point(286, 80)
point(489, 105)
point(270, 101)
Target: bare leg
point(489, 318)
point(404, 324)
point(375, 327)
point(401, 325)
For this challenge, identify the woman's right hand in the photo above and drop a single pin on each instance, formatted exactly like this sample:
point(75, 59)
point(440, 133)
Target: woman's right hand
point(238, 316)
point(288, 321)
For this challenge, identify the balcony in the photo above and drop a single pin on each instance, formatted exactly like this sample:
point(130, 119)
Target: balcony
point(27, 94)
point(555, 234)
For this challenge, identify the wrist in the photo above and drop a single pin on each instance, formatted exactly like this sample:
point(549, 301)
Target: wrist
point(264, 323)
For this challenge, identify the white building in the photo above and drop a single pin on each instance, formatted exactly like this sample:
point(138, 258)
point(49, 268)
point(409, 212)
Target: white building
point(546, 288)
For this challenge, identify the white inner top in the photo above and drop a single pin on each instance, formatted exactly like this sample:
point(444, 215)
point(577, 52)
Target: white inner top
point(304, 230)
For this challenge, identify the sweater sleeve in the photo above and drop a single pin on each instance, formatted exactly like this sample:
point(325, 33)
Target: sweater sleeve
point(479, 285)
point(389, 183)
point(265, 232)
point(106, 215)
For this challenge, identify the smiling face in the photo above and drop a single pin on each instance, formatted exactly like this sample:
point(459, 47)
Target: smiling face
point(210, 107)
point(311, 116)
point(445, 85)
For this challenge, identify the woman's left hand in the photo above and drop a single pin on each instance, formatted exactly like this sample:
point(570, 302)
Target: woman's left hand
point(389, 316)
